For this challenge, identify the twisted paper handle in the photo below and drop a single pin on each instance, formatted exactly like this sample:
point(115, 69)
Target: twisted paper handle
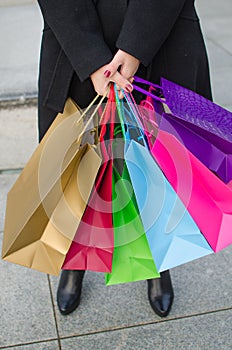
point(93, 114)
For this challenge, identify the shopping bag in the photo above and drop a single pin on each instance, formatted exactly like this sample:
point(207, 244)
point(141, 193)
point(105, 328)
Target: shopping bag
point(173, 236)
point(93, 244)
point(132, 258)
point(207, 198)
point(201, 125)
point(215, 154)
point(45, 205)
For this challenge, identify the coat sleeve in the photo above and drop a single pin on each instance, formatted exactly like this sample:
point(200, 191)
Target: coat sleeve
point(146, 26)
point(77, 28)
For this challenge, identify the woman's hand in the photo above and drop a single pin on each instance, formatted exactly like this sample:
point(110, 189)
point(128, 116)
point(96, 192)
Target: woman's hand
point(123, 62)
point(120, 71)
point(101, 80)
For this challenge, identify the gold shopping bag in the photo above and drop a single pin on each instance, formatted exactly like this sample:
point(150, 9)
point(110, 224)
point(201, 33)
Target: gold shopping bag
point(46, 203)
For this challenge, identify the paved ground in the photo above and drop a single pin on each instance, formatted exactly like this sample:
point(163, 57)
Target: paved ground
point(117, 317)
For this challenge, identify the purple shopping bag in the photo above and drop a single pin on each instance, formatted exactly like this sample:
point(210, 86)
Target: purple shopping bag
point(202, 126)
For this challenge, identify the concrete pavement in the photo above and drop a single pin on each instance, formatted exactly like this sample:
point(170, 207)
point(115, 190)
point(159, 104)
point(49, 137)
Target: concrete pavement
point(116, 317)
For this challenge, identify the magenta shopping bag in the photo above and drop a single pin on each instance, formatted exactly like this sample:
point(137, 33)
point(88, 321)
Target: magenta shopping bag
point(207, 198)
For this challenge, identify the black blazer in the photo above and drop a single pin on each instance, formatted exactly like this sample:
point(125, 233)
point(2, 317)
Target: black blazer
point(80, 36)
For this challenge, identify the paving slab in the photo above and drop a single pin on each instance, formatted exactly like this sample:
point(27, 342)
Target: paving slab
point(6, 182)
point(18, 136)
point(49, 345)
point(219, 30)
point(206, 332)
point(26, 307)
point(9, 3)
point(218, 57)
point(222, 86)
point(228, 255)
point(215, 10)
point(25, 298)
point(201, 286)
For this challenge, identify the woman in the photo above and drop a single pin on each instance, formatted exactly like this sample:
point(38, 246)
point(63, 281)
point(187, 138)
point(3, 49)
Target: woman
point(88, 43)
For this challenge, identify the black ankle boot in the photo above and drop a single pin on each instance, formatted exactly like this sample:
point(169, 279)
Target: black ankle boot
point(69, 290)
point(160, 293)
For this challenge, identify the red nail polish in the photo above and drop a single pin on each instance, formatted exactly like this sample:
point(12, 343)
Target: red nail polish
point(107, 73)
point(128, 88)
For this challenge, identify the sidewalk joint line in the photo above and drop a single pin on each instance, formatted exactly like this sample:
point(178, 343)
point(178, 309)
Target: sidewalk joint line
point(111, 330)
point(18, 101)
point(119, 328)
point(10, 171)
point(29, 343)
point(54, 313)
point(219, 45)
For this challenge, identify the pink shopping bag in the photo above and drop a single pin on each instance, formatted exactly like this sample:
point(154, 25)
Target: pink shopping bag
point(207, 198)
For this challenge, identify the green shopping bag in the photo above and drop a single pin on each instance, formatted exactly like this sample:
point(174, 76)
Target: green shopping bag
point(132, 258)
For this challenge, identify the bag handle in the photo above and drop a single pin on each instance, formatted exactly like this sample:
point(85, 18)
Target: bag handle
point(145, 92)
point(143, 81)
point(134, 112)
point(93, 113)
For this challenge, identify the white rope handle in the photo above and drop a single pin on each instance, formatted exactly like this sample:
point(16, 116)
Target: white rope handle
point(93, 114)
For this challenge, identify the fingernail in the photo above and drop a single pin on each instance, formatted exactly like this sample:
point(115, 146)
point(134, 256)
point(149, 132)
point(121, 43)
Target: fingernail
point(107, 73)
point(128, 88)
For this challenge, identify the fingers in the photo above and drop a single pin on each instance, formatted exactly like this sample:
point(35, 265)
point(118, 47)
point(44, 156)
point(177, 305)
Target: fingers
point(120, 95)
point(100, 87)
point(121, 70)
point(122, 82)
point(109, 73)
point(113, 67)
point(120, 92)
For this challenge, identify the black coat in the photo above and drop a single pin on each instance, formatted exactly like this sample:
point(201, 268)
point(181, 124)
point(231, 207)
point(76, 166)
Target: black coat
point(80, 36)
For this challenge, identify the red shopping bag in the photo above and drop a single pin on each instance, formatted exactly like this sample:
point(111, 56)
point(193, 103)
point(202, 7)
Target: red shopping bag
point(93, 245)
